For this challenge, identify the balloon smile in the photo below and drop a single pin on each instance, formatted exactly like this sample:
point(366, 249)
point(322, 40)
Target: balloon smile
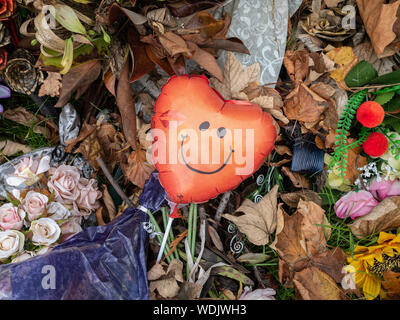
point(200, 171)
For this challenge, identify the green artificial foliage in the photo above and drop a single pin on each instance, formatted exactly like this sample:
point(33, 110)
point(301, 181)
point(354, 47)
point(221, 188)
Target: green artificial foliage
point(339, 156)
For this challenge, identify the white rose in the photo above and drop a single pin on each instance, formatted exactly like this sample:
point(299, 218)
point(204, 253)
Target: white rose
point(11, 242)
point(57, 211)
point(34, 204)
point(45, 231)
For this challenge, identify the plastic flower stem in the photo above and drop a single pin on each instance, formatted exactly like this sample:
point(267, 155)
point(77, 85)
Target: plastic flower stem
point(159, 237)
point(189, 236)
point(171, 234)
point(194, 228)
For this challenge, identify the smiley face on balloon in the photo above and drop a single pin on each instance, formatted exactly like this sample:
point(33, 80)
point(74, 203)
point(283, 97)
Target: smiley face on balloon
point(203, 144)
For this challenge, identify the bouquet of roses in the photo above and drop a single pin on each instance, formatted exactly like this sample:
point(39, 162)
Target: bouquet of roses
point(48, 212)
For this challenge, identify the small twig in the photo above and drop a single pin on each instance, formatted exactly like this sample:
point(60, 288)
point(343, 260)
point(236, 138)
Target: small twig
point(256, 271)
point(112, 181)
point(222, 205)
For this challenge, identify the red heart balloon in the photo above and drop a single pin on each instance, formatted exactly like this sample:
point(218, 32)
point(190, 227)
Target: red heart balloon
point(204, 145)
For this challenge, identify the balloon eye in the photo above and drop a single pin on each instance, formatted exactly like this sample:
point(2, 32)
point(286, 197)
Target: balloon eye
point(221, 132)
point(204, 126)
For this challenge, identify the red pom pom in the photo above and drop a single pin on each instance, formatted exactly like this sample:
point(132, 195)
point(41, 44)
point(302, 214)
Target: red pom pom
point(370, 114)
point(376, 144)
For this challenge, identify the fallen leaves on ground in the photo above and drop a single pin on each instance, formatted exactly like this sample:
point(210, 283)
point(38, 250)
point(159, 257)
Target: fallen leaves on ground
point(300, 242)
point(385, 216)
point(259, 219)
point(164, 279)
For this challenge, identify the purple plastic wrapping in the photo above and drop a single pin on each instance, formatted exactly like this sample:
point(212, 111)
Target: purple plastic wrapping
point(103, 262)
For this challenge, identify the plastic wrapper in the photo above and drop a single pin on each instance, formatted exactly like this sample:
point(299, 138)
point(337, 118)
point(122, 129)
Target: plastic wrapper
point(103, 262)
point(8, 168)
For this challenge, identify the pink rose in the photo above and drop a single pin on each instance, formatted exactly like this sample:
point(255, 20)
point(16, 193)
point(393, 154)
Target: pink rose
point(34, 204)
point(355, 204)
point(64, 183)
point(89, 194)
point(384, 188)
point(11, 217)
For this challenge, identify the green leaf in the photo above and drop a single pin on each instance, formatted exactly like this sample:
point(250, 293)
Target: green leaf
point(393, 104)
point(67, 17)
point(392, 122)
point(68, 57)
point(230, 272)
point(361, 74)
point(384, 98)
point(14, 201)
point(389, 78)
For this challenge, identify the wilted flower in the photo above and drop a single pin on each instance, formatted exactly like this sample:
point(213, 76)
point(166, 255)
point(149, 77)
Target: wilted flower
point(11, 242)
point(370, 262)
point(384, 188)
point(64, 183)
point(11, 217)
point(89, 194)
point(355, 204)
point(258, 294)
point(57, 211)
point(28, 170)
point(34, 204)
point(71, 227)
point(45, 231)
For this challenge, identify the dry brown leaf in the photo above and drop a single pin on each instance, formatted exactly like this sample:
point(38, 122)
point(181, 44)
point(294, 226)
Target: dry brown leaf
point(9, 148)
point(314, 284)
point(90, 147)
point(314, 234)
point(215, 238)
point(292, 198)
point(77, 79)
point(139, 169)
point(345, 58)
point(109, 203)
point(385, 216)
point(28, 119)
point(324, 90)
point(332, 3)
point(165, 280)
point(298, 180)
point(126, 105)
point(206, 60)
point(352, 169)
point(303, 104)
point(236, 77)
point(145, 137)
point(365, 51)
point(379, 17)
point(300, 236)
point(51, 85)
point(297, 64)
point(391, 284)
point(174, 44)
point(259, 219)
point(99, 216)
point(111, 141)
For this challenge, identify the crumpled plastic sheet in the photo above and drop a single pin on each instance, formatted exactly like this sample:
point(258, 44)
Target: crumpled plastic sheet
point(103, 262)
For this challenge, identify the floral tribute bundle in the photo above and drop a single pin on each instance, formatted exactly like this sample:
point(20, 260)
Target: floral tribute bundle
point(48, 212)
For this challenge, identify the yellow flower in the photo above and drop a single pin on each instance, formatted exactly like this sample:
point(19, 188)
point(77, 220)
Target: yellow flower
point(370, 262)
